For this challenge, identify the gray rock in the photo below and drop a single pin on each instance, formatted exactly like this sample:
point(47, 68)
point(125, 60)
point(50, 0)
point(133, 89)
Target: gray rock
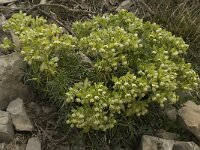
point(13, 7)
point(20, 118)
point(155, 143)
point(190, 104)
point(2, 146)
point(189, 117)
point(2, 20)
point(127, 4)
point(6, 127)
point(171, 113)
point(15, 40)
point(11, 86)
point(167, 135)
point(33, 144)
point(43, 1)
point(85, 59)
point(7, 1)
point(185, 146)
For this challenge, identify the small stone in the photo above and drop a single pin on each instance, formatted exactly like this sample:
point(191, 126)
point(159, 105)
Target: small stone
point(171, 113)
point(127, 4)
point(155, 143)
point(43, 1)
point(13, 7)
point(189, 117)
point(11, 85)
point(185, 146)
point(20, 118)
point(2, 20)
point(15, 40)
point(167, 135)
point(6, 127)
point(33, 144)
point(85, 59)
point(2, 146)
point(7, 1)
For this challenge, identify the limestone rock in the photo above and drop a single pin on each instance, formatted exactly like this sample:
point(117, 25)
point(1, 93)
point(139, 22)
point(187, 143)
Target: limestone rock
point(189, 117)
point(15, 40)
point(43, 1)
point(11, 86)
point(127, 4)
point(171, 113)
point(190, 104)
point(85, 59)
point(33, 144)
point(13, 7)
point(7, 1)
point(6, 127)
point(2, 20)
point(2, 146)
point(155, 143)
point(167, 135)
point(185, 146)
point(20, 118)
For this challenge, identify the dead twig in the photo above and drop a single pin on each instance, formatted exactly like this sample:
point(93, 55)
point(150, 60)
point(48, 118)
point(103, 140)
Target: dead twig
point(61, 6)
point(48, 134)
point(66, 27)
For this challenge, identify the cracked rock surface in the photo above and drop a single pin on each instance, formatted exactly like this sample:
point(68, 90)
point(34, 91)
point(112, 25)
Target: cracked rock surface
point(6, 127)
point(20, 118)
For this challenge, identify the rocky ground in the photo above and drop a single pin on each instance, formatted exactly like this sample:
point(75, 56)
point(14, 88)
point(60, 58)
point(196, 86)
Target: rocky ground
point(24, 120)
point(29, 124)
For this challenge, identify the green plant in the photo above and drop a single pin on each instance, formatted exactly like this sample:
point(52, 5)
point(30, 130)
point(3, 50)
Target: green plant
point(141, 64)
point(133, 64)
point(181, 17)
point(44, 47)
point(6, 45)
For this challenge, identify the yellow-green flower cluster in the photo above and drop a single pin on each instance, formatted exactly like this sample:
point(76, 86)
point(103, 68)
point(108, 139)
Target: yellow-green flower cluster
point(141, 63)
point(94, 110)
point(107, 47)
point(42, 43)
point(132, 90)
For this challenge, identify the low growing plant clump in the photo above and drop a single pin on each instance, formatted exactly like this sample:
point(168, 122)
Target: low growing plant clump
point(132, 64)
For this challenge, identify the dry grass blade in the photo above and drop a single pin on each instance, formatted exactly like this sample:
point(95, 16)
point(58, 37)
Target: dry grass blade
point(61, 6)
